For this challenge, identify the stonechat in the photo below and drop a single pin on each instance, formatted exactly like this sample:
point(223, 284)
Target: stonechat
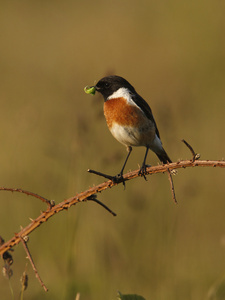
point(129, 118)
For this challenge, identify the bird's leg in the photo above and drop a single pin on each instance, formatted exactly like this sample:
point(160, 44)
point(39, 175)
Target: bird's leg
point(129, 149)
point(142, 170)
point(118, 178)
point(120, 175)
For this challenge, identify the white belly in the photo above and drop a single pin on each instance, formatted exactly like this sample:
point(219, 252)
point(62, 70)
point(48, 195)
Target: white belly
point(127, 135)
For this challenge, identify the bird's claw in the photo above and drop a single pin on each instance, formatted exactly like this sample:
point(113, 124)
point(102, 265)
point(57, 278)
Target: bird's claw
point(142, 172)
point(115, 179)
point(118, 178)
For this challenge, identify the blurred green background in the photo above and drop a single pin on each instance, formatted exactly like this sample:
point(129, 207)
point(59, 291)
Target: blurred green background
point(173, 52)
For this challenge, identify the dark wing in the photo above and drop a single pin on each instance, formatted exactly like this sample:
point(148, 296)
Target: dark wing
point(146, 109)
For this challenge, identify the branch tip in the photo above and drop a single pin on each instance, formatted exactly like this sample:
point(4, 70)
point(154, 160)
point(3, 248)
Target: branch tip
point(195, 155)
point(94, 198)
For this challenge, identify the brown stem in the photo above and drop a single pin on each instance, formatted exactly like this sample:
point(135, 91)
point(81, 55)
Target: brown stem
point(32, 263)
point(29, 194)
point(44, 216)
point(172, 186)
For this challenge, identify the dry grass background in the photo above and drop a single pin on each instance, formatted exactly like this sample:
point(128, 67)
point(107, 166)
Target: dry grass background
point(173, 52)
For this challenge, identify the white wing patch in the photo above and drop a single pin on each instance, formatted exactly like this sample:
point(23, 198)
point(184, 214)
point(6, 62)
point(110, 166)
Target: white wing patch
point(123, 93)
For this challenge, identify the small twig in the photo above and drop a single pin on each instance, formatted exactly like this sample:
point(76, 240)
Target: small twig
point(49, 203)
point(114, 179)
point(94, 198)
point(100, 174)
point(172, 186)
point(32, 263)
point(195, 155)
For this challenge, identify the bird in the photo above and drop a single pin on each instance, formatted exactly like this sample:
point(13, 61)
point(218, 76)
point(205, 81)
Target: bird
point(129, 119)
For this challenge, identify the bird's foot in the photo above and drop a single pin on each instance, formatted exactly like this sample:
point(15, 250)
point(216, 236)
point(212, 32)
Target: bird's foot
point(142, 171)
point(115, 179)
point(119, 178)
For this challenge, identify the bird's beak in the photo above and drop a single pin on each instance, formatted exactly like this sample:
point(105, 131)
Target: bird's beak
point(90, 89)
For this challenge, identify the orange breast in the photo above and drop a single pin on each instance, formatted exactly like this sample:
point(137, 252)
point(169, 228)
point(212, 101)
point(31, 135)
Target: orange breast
point(128, 124)
point(118, 111)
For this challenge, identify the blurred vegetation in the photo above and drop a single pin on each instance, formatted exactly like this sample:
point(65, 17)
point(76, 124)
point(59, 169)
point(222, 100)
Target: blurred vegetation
point(173, 52)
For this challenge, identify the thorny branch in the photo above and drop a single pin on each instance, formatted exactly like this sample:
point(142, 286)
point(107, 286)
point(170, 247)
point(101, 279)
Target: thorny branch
point(49, 203)
point(44, 216)
point(90, 194)
point(32, 263)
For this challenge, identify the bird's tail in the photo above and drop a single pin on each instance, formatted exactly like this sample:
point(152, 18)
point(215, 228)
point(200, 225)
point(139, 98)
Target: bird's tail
point(164, 157)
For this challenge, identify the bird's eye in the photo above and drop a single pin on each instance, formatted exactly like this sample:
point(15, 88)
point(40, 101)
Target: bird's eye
point(106, 84)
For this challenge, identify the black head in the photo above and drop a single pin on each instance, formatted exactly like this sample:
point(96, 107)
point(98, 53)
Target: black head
point(110, 84)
